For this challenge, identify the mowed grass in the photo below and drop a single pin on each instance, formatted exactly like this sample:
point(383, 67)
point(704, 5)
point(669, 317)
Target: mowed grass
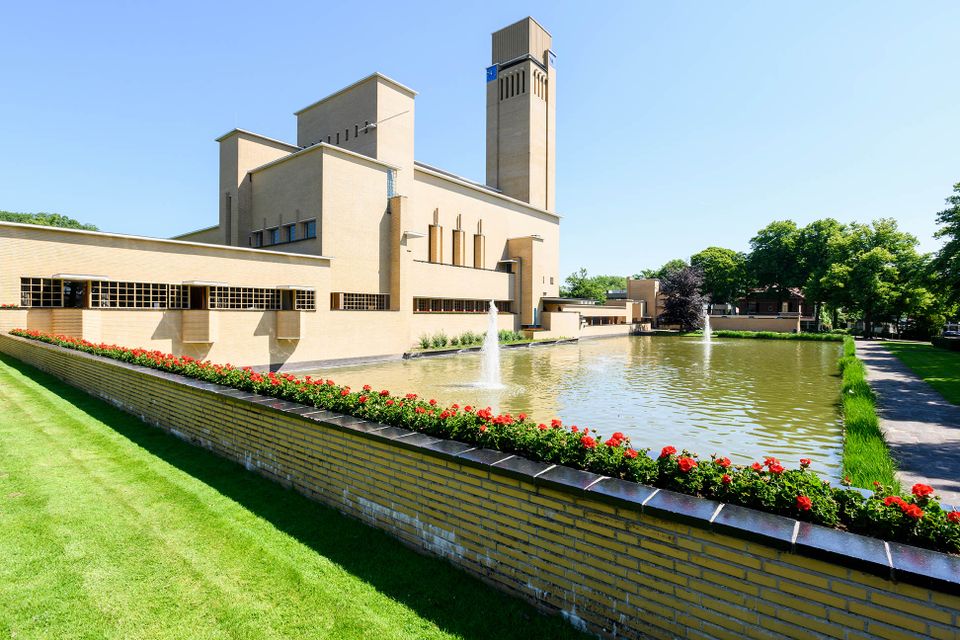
point(110, 528)
point(937, 367)
point(866, 456)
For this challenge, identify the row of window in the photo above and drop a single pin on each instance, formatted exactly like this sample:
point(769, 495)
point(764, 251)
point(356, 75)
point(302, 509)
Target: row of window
point(284, 233)
point(334, 138)
point(449, 305)
point(597, 321)
point(344, 301)
point(513, 84)
point(106, 294)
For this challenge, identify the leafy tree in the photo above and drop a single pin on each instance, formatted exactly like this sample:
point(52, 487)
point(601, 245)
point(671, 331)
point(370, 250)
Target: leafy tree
point(671, 265)
point(819, 245)
point(45, 219)
point(947, 261)
point(580, 285)
point(684, 303)
point(774, 262)
point(724, 276)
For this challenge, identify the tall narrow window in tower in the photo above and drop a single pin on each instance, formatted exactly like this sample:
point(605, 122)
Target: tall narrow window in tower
point(523, 82)
point(228, 217)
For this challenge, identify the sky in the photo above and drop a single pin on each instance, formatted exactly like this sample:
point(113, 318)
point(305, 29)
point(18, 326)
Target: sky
point(680, 125)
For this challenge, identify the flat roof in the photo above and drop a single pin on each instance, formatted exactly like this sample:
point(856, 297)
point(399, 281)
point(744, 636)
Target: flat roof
point(373, 76)
point(184, 243)
point(446, 175)
point(255, 135)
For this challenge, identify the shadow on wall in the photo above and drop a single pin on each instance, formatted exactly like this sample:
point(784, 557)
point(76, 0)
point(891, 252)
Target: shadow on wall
point(435, 590)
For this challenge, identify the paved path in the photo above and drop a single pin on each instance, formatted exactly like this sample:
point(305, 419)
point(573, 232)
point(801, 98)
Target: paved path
point(922, 429)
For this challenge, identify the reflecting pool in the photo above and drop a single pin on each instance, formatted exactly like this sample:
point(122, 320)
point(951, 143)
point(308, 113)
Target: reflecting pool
point(740, 398)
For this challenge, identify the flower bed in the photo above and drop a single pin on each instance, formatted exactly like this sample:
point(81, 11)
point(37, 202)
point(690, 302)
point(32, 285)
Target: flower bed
point(915, 519)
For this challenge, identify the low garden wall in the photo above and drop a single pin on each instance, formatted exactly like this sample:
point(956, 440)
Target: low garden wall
point(616, 558)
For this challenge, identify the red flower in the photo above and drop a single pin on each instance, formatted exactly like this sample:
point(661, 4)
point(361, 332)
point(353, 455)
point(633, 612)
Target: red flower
point(686, 464)
point(483, 428)
point(367, 387)
point(776, 469)
point(954, 517)
point(432, 402)
point(890, 501)
point(667, 451)
point(913, 511)
point(630, 453)
point(542, 427)
point(345, 392)
point(556, 424)
point(468, 409)
point(574, 429)
point(804, 503)
point(723, 462)
point(384, 392)
point(756, 466)
point(804, 462)
point(726, 479)
point(522, 417)
point(362, 399)
point(588, 442)
point(389, 403)
point(922, 490)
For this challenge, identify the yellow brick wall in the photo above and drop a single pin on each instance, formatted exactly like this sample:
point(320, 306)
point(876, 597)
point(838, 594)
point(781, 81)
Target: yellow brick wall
point(606, 568)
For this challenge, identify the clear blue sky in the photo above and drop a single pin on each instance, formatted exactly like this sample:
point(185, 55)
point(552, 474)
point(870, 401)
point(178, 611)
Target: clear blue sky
point(680, 124)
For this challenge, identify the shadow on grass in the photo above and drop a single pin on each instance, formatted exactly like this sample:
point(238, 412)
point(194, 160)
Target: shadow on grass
point(433, 588)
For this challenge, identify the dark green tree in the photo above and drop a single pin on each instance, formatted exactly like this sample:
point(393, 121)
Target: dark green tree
point(671, 265)
point(581, 285)
point(724, 274)
point(947, 261)
point(774, 261)
point(819, 245)
point(45, 219)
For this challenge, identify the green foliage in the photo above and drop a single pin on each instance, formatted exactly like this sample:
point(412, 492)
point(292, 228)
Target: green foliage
point(947, 261)
point(505, 335)
point(772, 262)
point(777, 335)
point(866, 457)
point(724, 273)
point(438, 340)
point(425, 341)
point(581, 285)
point(45, 219)
point(683, 304)
point(671, 265)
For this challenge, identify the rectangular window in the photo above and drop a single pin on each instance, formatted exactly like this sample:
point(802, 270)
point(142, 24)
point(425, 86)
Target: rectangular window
point(306, 300)
point(41, 292)
point(291, 232)
point(244, 298)
point(455, 305)
point(391, 183)
point(344, 301)
point(256, 239)
point(274, 235)
point(310, 229)
point(108, 294)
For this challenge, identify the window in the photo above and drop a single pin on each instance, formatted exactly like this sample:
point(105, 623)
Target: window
point(366, 127)
point(328, 139)
point(291, 232)
point(179, 297)
point(251, 298)
point(310, 229)
point(274, 235)
point(356, 130)
point(343, 301)
point(306, 300)
point(338, 137)
point(41, 292)
point(256, 239)
point(106, 294)
point(391, 183)
point(454, 305)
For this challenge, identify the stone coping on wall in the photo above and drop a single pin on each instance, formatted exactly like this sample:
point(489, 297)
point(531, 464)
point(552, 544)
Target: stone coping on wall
point(889, 560)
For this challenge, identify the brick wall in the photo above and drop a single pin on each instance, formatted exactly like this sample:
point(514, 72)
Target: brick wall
point(616, 558)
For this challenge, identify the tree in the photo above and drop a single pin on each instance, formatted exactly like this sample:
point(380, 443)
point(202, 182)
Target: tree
point(947, 261)
point(671, 265)
point(45, 219)
point(580, 285)
point(684, 303)
point(773, 261)
point(819, 245)
point(724, 277)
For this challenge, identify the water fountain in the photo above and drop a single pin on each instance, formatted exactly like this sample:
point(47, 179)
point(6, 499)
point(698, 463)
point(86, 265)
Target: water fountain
point(707, 331)
point(490, 354)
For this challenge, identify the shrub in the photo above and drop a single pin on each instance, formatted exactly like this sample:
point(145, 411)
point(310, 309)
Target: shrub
point(799, 493)
point(438, 340)
point(455, 341)
point(776, 335)
point(424, 341)
point(505, 335)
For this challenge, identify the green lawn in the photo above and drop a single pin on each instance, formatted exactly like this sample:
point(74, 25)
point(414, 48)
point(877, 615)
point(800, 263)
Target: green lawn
point(939, 368)
point(113, 529)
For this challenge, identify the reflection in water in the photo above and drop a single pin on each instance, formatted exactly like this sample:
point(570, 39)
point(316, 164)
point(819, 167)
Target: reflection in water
point(742, 398)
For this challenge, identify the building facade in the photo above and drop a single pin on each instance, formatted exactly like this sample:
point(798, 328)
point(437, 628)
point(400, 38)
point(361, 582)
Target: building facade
point(338, 245)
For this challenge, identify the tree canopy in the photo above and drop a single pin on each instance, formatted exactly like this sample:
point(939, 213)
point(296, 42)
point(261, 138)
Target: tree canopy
point(947, 261)
point(671, 265)
point(581, 285)
point(46, 219)
point(724, 273)
point(683, 304)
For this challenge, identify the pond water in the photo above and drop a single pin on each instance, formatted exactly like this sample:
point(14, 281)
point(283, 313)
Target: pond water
point(740, 398)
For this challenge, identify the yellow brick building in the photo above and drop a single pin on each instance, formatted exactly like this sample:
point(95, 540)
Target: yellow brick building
point(338, 245)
